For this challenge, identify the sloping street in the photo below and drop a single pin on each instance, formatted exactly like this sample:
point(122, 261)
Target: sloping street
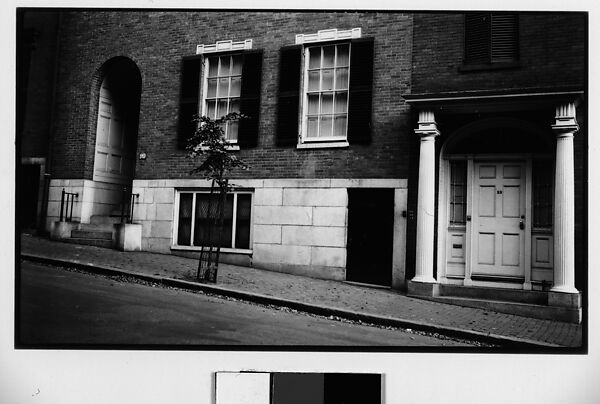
point(60, 306)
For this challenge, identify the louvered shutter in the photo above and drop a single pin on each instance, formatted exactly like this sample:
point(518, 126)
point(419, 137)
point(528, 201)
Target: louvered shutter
point(188, 103)
point(250, 98)
point(361, 91)
point(289, 95)
point(504, 38)
point(477, 38)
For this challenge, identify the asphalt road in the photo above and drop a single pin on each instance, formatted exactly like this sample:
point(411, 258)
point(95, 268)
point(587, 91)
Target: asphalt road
point(59, 306)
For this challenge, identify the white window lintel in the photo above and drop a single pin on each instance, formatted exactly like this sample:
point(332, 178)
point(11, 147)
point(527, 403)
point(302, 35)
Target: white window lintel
point(329, 35)
point(222, 46)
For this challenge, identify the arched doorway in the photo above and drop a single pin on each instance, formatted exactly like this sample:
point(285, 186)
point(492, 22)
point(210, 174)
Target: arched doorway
point(495, 205)
point(117, 123)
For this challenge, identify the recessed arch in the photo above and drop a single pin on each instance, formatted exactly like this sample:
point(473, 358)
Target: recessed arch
point(116, 90)
point(499, 135)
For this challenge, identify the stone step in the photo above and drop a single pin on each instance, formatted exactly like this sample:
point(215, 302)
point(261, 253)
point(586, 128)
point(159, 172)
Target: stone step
point(105, 219)
point(488, 293)
point(90, 241)
point(92, 234)
point(519, 309)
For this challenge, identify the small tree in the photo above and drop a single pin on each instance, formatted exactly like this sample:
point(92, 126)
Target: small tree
point(209, 142)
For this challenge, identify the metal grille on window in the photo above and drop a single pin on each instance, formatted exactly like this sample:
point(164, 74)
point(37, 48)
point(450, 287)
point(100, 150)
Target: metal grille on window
point(543, 176)
point(193, 220)
point(223, 89)
point(327, 91)
point(458, 192)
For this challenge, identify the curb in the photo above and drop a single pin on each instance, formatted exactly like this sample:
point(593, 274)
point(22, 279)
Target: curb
point(505, 341)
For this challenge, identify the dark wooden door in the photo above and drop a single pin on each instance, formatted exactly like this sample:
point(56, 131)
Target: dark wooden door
point(29, 183)
point(370, 236)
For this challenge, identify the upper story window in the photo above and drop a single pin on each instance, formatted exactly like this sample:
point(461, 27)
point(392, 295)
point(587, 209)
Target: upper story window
point(222, 78)
point(325, 90)
point(223, 86)
point(491, 38)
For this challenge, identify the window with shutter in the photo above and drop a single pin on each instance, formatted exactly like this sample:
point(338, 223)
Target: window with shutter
point(215, 85)
point(491, 38)
point(325, 90)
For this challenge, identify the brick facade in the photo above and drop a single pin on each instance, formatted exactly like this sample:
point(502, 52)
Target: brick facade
point(157, 41)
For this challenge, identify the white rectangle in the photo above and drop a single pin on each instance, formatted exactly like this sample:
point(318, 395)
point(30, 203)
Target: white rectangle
point(243, 388)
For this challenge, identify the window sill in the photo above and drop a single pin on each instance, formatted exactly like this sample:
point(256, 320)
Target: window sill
point(231, 147)
point(323, 145)
point(465, 68)
point(223, 250)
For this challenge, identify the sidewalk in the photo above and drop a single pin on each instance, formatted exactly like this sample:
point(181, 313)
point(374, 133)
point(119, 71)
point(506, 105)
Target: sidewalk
point(333, 298)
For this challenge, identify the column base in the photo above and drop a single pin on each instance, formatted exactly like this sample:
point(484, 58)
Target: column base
point(419, 288)
point(561, 299)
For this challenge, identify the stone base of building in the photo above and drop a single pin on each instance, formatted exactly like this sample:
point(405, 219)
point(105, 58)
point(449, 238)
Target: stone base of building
point(422, 289)
point(127, 237)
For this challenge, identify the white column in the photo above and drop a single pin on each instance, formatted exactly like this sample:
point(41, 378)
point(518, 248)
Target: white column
point(564, 200)
point(425, 205)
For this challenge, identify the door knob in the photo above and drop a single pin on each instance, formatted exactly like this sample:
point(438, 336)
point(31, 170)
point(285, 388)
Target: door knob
point(522, 225)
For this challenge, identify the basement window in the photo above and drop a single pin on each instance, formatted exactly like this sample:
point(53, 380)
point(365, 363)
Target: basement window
point(192, 224)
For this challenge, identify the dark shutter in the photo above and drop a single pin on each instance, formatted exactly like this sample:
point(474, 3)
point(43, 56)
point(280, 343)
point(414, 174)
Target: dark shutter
point(361, 91)
point(289, 95)
point(491, 38)
point(250, 98)
point(478, 33)
point(188, 103)
point(504, 38)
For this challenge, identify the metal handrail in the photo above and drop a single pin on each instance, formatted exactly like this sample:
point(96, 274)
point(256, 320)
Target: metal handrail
point(128, 205)
point(69, 199)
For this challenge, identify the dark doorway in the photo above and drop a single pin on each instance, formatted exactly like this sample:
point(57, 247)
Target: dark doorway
point(370, 236)
point(29, 184)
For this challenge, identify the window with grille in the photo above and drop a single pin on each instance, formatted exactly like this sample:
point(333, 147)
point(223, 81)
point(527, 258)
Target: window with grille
point(223, 86)
point(543, 176)
point(326, 92)
point(491, 38)
point(458, 192)
point(193, 220)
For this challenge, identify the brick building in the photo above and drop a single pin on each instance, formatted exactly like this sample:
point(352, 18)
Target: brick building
point(415, 151)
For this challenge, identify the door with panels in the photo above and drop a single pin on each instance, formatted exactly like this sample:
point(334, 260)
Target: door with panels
point(114, 159)
point(498, 236)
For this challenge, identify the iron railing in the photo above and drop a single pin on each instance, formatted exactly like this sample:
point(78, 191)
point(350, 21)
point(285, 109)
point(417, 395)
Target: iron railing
point(127, 205)
point(66, 201)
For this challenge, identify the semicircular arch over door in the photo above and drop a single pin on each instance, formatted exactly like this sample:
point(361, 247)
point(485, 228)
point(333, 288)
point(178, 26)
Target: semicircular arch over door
point(117, 123)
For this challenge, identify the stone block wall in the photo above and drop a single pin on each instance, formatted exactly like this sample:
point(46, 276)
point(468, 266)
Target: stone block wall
point(298, 225)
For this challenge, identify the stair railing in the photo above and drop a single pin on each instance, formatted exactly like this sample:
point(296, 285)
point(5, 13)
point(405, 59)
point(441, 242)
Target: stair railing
point(128, 201)
point(66, 200)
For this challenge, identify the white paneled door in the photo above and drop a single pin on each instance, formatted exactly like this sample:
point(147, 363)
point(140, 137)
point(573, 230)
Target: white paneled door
point(499, 219)
point(113, 162)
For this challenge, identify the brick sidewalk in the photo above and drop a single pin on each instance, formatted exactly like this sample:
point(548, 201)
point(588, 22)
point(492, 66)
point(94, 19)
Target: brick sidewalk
point(329, 294)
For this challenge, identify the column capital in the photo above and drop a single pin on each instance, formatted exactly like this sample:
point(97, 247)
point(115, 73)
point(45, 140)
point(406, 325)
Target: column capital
point(427, 125)
point(565, 120)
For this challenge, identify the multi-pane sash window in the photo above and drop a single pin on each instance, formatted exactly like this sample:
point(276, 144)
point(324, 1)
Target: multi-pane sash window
point(326, 92)
point(223, 86)
point(193, 220)
point(542, 194)
point(458, 192)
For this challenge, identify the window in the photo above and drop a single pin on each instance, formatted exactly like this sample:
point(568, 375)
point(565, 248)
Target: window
point(217, 83)
point(491, 38)
point(223, 84)
point(326, 92)
point(458, 192)
point(542, 194)
point(193, 220)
